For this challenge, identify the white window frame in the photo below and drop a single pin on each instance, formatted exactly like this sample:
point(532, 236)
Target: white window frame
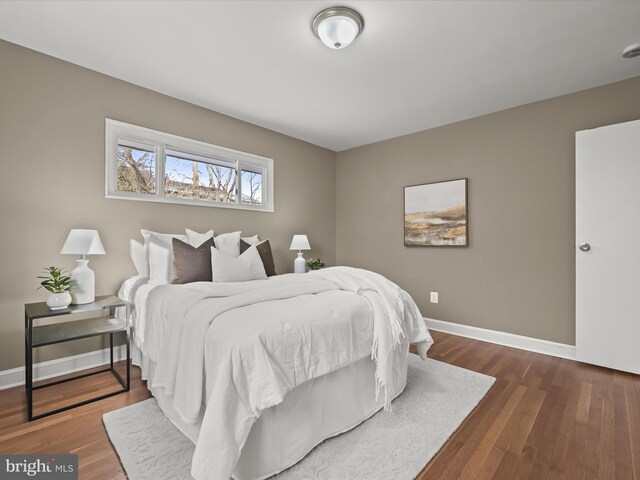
point(160, 142)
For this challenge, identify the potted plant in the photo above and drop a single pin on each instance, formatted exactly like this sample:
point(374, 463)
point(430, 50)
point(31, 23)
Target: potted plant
point(315, 264)
point(59, 284)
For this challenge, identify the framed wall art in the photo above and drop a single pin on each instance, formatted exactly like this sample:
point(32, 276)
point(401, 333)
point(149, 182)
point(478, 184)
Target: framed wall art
point(435, 214)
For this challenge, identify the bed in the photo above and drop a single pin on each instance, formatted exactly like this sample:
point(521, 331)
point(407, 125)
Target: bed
point(258, 373)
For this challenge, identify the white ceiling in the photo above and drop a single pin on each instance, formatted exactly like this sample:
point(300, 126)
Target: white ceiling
point(416, 65)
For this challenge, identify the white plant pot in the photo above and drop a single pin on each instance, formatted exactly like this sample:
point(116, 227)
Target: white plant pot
point(58, 301)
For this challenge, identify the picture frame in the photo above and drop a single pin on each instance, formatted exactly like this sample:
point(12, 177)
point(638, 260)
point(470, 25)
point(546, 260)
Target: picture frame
point(436, 214)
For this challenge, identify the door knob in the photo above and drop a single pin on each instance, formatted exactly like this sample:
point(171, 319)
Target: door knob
point(585, 247)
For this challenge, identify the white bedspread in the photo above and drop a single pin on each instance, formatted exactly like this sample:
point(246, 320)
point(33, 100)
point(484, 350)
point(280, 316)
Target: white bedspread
point(396, 317)
point(242, 347)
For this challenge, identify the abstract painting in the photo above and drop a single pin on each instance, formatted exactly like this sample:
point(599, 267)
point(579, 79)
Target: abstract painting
point(435, 214)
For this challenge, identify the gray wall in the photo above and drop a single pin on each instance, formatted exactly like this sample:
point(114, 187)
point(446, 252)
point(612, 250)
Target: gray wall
point(517, 275)
point(52, 123)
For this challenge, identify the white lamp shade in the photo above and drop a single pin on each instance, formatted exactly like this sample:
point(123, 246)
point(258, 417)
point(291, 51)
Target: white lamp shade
point(83, 242)
point(300, 242)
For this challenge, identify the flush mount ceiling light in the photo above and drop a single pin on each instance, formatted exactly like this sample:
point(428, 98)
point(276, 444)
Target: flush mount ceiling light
point(631, 51)
point(337, 27)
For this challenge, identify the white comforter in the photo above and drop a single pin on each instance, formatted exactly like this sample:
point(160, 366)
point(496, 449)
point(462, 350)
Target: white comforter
point(227, 352)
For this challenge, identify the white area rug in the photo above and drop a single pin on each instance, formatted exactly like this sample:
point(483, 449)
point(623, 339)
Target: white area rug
point(396, 444)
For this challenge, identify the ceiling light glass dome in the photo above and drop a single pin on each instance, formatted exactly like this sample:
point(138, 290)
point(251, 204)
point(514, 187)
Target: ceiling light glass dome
point(337, 27)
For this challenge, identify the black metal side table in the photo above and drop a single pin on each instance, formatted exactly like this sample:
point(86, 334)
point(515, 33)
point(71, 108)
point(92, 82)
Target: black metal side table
point(69, 329)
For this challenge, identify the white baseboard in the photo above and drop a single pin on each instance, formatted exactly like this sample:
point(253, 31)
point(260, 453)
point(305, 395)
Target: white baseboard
point(61, 366)
point(502, 338)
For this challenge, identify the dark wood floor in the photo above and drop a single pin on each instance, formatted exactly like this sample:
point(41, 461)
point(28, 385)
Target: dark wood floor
point(544, 418)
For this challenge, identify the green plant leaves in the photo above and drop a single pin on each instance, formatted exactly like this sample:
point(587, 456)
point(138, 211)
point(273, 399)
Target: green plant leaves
point(55, 281)
point(315, 264)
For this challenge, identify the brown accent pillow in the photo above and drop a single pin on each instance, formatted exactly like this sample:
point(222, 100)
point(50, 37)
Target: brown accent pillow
point(264, 249)
point(191, 264)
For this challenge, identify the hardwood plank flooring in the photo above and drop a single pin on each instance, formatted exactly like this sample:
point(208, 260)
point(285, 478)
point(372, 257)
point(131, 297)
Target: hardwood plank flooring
point(544, 418)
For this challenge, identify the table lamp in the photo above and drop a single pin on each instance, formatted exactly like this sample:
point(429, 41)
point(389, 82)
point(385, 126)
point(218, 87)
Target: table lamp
point(83, 242)
point(300, 242)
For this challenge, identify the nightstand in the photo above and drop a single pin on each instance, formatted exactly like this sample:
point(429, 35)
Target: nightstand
point(103, 322)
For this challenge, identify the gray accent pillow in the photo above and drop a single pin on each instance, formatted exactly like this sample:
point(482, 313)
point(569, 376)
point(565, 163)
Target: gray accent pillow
point(264, 249)
point(191, 264)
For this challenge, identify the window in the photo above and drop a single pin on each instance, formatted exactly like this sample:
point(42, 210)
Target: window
point(144, 164)
point(136, 168)
point(251, 181)
point(198, 178)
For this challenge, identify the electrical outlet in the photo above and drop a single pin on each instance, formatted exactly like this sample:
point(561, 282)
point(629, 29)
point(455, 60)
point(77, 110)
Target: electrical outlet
point(434, 297)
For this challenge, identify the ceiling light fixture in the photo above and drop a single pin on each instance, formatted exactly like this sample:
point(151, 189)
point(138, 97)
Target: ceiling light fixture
point(337, 27)
point(631, 51)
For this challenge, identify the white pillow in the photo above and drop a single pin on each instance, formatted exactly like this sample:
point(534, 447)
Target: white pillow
point(166, 237)
point(196, 239)
point(160, 261)
point(156, 274)
point(227, 268)
point(228, 243)
point(251, 240)
point(139, 257)
point(160, 253)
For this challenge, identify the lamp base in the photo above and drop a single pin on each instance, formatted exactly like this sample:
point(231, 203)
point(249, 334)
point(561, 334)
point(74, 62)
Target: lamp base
point(85, 282)
point(299, 264)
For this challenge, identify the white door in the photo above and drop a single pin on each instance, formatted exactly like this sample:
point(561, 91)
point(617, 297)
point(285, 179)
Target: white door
point(608, 246)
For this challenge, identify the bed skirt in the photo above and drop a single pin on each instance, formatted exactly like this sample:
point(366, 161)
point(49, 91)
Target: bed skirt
point(314, 411)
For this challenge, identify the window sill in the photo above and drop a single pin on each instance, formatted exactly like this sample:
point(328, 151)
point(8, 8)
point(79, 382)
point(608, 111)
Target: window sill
point(182, 201)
